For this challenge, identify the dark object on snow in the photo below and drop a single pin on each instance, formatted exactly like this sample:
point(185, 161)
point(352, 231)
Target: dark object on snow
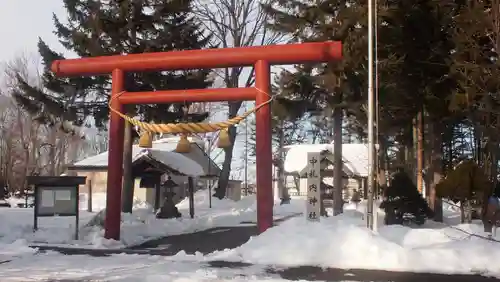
point(356, 197)
point(403, 204)
point(4, 191)
point(285, 201)
point(168, 209)
point(491, 211)
point(496, 191)
point(23, 205)
point(491, 215)
point(326, 194)
point(4, 204)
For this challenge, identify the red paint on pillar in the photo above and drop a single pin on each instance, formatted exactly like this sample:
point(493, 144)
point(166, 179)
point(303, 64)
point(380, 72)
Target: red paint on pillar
point(115, 162)
point(263, 148)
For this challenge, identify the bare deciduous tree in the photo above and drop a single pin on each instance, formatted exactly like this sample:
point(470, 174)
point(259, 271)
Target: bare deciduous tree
point(234, 23)
point(28, 147)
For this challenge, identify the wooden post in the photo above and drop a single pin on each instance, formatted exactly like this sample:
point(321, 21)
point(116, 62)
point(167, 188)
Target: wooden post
point(191, 196)
point(128, 180)
point(157, 193)
point(89, 197)
point(364, 186)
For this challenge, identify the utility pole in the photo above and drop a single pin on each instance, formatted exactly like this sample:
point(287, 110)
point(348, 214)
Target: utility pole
point(246, 154)
point(376, 145)
point(371, 106)
point(209, 152)
point(377, 111)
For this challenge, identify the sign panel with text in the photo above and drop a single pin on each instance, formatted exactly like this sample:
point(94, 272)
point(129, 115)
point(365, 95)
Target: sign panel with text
point(313, 171)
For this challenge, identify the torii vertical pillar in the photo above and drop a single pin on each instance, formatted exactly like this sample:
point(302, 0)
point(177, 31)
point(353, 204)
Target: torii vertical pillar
point(263, 148)
point(260, 57)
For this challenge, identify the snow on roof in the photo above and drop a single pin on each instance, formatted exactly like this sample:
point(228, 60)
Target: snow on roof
point(296, 156)
point(177, 161)
point(355, 157)
point(194, 163)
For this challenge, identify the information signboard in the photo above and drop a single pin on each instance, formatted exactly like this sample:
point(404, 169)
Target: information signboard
point(56, 196)
point(56, 200)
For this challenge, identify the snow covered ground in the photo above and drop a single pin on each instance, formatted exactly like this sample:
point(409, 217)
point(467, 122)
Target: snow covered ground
point(344, 242)
point(138, 227)
point(341, 241)
point(124, 268)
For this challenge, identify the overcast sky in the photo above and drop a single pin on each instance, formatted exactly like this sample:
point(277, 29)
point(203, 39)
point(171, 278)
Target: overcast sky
point(23, 21)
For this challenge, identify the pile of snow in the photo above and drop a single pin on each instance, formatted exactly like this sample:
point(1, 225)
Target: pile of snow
point(344, 242)
point(98, 201)
point(16, 249)
point(136, 228)
point(15, 202)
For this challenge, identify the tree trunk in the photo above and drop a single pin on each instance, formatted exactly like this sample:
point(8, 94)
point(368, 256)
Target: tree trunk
point(220, 190)
point(477, 146)
point(449, 139)
point(128, 181)
point(420, 151)
point(428, 161)
point(492, 150)
point(400, 145)
point(128, 140)
point(296, 181)
point(386, 166)
point(76, 146)
point(338, 164)
point(462, 212)
point(409, 152)
point(52, 150)
point(414, 150)
point(283, 190)
point(382, 167)
point(496, 153)
point(436, 170)
point(465, 211)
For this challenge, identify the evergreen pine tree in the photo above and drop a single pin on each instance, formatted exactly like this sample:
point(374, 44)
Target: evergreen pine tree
point(100, 28)
point(315, 87)
point(286, 119)
point(414, 54)
point(111, 27)
point(402, 201)
point(332, 85)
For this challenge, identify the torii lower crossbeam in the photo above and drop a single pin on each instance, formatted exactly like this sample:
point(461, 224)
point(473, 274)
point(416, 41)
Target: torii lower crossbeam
point(260, 57)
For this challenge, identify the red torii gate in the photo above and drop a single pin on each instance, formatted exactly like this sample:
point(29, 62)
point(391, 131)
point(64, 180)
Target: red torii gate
point(261, 57)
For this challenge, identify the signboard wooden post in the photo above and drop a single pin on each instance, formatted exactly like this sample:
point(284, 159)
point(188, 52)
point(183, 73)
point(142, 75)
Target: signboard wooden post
point(313, 171)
